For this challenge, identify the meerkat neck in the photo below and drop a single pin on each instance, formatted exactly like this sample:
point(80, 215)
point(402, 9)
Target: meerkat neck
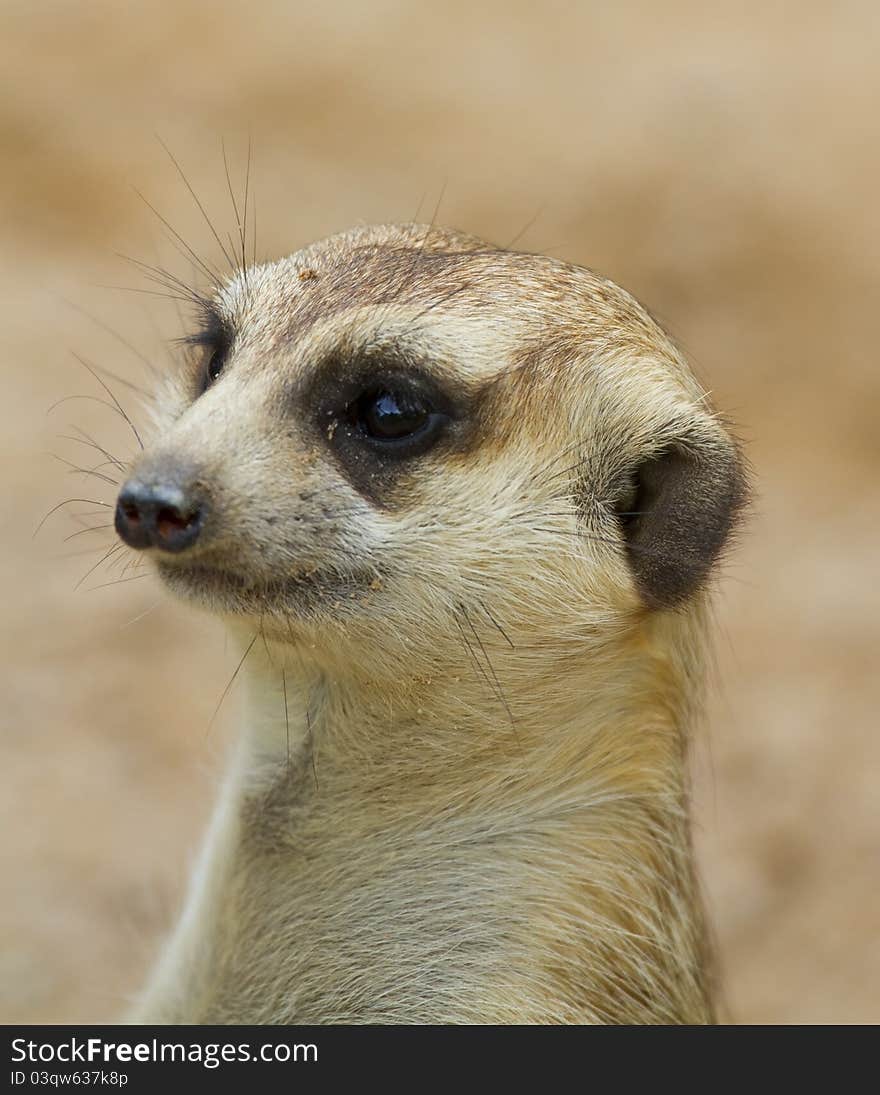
point(445, 850)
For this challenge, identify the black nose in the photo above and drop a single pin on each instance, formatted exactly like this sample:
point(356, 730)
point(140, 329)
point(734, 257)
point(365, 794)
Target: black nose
point(160, 515)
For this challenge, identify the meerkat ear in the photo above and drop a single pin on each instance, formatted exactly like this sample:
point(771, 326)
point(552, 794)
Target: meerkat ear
point(677, 513)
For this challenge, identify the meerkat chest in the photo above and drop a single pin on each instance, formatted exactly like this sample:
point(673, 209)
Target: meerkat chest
point(323, 920)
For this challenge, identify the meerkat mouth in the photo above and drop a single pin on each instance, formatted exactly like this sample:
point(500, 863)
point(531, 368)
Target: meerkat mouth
point(227, 590)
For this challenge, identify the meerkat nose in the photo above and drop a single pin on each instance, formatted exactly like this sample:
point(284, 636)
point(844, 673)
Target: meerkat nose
point(159, 515)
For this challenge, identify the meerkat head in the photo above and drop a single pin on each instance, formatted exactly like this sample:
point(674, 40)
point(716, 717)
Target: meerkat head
point(399, 428)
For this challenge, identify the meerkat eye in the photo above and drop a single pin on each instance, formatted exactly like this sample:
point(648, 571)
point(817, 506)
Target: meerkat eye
point(214, 365)
point(392, 416)
point(379, 415)
point(212, 342)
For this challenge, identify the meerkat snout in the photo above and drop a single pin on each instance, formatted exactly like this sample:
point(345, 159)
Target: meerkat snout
point(165, 513)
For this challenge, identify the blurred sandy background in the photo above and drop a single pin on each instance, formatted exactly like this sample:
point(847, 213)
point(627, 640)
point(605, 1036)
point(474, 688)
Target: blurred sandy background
point(726, 168)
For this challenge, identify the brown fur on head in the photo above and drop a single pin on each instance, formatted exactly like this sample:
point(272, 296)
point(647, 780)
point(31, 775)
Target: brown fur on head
point(489, 630)
point(578, 469)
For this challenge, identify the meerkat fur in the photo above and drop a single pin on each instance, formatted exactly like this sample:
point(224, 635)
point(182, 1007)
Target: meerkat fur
point(469, 677)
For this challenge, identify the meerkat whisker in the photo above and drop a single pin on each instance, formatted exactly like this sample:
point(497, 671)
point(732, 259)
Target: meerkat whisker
point(164, 278)
point(116, 404)
point(109, 555)
point(87, 439)
point(253, 217)
point(529, 224)
point(229, 685)
point(242, 226)
point(140, 615)
point(117, 582)
point(189, 298)
point(67, 502)
point(497, 684)
point(123, 341)
point(286, 717)
point(497, 626)
point(92, 528)
point(244, 206)
point(213, 276)
point(134, 563)
point(230, 260)
point(75, 469)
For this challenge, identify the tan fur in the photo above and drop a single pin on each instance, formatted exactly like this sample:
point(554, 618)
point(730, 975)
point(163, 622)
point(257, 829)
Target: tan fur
point(460, 793)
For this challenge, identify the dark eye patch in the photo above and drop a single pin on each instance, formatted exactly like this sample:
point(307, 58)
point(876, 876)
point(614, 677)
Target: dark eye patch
point(381, 413)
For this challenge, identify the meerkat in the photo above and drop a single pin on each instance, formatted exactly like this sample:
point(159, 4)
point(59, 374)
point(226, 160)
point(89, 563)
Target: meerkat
point(459, 508)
